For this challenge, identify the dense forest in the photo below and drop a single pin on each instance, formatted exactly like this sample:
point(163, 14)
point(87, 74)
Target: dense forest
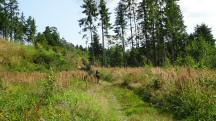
point(146, 33)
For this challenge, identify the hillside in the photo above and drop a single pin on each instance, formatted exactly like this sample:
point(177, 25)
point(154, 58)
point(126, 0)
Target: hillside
point(17, 57)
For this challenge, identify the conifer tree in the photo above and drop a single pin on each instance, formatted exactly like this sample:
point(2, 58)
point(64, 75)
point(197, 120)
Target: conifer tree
point(175, 28)
point(88, 23)
point(30, 30)
point(120, 26)
point(105, 25)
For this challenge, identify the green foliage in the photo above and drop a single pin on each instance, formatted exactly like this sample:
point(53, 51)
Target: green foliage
point(116, 56)
point(1, 85)
point(74, 106)
point(189, 102)
point(30, 30)
point(23, 102)
point(107, 77)
point(205, 32)
point(15, 57)
point(96, 49)
point(192, 104)
point(88, 23)
point(186, 61)
point(133, 107)
point(127, 79)
point(49, 85)
point(17, 102)
point(105, 25)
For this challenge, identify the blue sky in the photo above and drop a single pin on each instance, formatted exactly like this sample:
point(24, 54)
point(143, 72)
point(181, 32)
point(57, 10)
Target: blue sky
point(64, 14)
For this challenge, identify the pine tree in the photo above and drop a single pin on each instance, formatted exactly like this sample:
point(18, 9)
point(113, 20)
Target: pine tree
point(161, 33)
point(143, 17)
point(97, 47)
point(105, 25)
point(131, 15)
point(175, 28)
point(30, 30)
point(88, 23)
point(52, 36)
point(120, 26)
point(204, 31)
point(11, 7)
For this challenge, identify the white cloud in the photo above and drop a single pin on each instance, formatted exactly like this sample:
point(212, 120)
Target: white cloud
point(197, 12)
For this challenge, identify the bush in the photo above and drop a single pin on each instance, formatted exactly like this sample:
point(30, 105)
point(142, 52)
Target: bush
point(190, 101)
point(107, 77)
point(16, 57)
point(49, 85)
point(192, 104)
point(187, 61)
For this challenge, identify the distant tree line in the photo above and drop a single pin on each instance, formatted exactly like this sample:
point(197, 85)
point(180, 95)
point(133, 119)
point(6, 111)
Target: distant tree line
point(147, 32)
point(15, 27)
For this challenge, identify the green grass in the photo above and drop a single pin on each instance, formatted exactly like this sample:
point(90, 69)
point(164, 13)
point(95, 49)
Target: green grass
point(27, 58)
point(187, 94)
point(136, 109)
point(104, 102)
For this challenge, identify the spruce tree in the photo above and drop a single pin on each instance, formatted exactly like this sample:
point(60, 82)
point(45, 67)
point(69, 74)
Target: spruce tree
point(30, 30)
point(11, 7)
point(88, 23)
point(205, 32)
point(175, 28)
point(120, 26)
point(105, 25)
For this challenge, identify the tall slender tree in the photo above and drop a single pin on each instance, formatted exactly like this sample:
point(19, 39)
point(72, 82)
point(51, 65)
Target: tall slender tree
point(175, 28)
point(131, 15)
point(120, 26)
point(11, 6)
point(105, 25)
point(88, 23)
point(30, 30)
point(144, 23)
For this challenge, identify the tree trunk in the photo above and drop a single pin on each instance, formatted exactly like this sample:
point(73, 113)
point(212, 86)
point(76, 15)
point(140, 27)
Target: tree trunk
point(102, 29)
point(123, 47)
point(135, 28)
point(92, 43)
point(131, 28)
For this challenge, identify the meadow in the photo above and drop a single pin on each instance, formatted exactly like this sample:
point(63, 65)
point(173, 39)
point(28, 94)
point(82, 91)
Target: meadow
point(132, 94)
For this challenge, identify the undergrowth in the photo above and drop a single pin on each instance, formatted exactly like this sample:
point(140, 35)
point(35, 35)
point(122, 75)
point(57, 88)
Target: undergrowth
point(188, 94)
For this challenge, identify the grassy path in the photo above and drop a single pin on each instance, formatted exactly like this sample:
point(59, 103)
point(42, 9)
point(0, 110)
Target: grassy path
point(104, 102)
point(124, 105)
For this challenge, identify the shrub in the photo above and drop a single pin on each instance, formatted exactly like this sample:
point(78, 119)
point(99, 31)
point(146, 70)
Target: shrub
point(107, 76)
point(192, 104)
point(49, 85)
point(127, 79)
point(156, 84)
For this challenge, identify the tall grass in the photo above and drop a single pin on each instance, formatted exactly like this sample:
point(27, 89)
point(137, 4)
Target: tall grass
point(187, 93)
point(49, 100)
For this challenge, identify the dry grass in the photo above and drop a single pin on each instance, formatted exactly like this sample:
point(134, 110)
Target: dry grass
point(63, 78)
point(22, 76)
point(140, 75)
point(167, 76)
